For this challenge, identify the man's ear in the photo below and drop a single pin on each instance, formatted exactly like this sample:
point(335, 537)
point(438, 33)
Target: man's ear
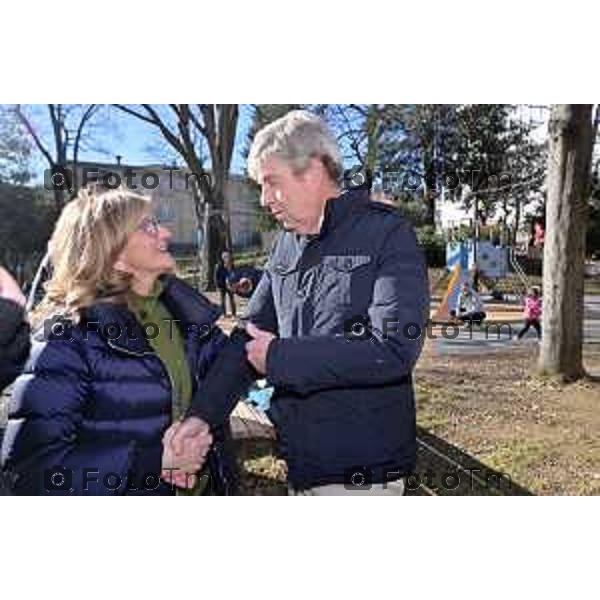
point(313, 176)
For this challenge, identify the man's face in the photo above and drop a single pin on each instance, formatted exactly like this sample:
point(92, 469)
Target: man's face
point(291, 198)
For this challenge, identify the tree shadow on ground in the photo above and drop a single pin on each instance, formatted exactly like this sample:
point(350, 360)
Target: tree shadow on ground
point(442, 470)
point(446, 470)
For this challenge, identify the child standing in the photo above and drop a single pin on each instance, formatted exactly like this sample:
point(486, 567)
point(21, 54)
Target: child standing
point(222, 275)
point(532, 313)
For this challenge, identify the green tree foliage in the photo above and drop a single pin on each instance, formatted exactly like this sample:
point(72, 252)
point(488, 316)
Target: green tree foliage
point(26, 221)
point(478, 152)
point(593, 232)
point(15, 148)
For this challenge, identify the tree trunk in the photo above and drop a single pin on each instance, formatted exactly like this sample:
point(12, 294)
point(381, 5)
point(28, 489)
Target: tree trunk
point(222, 124)
point(199, 241)
point(569, 173)
point(372, 126)
point(429, 191)
point(59, 200)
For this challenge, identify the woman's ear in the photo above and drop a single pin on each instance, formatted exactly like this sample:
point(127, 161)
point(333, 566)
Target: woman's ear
point(121, 265)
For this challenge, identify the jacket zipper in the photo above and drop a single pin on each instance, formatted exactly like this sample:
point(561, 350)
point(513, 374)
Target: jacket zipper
point(143, 355)
point(172, 385)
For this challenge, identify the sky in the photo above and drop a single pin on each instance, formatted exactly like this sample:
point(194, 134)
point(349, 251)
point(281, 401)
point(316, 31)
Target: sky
point(138, 143)
point(119, 134)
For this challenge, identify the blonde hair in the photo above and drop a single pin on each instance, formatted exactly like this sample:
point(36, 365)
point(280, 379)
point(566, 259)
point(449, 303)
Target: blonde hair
point(90, 234)
point(296, 138)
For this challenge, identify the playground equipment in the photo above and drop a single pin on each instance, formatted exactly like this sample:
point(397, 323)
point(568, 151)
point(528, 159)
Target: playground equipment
point(463, 258)
point(518, 269)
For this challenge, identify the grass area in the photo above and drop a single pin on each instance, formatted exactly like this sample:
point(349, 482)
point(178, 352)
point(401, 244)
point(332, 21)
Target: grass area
point(250, 257)
point(253, 258)
point(544, 434)
point(592, 286)
point(187, 266)
point(262, 474)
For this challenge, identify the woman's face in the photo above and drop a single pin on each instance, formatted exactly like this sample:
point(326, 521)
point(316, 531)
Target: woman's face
point(146, 254)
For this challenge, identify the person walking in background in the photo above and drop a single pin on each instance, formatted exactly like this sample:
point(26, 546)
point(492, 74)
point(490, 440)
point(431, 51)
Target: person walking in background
point(532, 313)
point(223, 273)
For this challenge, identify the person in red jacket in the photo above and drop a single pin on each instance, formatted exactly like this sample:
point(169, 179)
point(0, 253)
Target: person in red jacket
point(532, 313)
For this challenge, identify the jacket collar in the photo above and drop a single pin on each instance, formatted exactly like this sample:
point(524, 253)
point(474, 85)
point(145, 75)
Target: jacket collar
point(338, 209)
point(122, 331)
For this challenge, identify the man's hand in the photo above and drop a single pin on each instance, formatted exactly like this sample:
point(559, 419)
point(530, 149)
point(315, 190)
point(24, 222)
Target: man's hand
point(9, 288)
point(257, 349)
point(185, 446)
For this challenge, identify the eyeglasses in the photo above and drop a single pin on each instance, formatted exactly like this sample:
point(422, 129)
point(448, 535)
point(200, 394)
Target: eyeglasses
point(150, 225)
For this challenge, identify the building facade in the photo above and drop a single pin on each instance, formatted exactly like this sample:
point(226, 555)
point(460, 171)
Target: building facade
point(171, 191)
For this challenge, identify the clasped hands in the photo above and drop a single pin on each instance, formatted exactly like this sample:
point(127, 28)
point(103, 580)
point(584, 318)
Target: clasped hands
point(186, 444)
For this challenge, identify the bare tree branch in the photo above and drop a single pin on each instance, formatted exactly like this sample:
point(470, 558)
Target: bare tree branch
point(134, 113)
point(38, 142)
point(202, 128)
point(87, 115)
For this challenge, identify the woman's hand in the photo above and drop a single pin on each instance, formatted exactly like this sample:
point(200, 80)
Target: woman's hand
point(9, 288)
point(185, 446)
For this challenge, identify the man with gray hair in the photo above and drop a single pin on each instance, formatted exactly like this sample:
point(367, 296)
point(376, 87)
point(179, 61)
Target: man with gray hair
point(335, 324)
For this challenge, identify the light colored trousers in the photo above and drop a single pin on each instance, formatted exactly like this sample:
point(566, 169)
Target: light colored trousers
point(393, 488)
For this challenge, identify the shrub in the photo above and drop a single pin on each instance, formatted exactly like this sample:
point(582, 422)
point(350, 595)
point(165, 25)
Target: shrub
point(433, 245)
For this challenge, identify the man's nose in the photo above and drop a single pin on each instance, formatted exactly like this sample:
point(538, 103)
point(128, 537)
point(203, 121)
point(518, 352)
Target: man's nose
point(264, 198)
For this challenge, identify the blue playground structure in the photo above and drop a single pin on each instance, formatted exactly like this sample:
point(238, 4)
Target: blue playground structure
point(462, 257)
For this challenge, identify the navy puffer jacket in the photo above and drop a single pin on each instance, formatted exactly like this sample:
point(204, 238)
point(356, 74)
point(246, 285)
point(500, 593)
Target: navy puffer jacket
point(91, 408)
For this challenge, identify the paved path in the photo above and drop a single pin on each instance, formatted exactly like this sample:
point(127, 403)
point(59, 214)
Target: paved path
point(490, 340)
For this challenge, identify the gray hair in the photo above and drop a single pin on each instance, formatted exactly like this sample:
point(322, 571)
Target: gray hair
point(296, 138)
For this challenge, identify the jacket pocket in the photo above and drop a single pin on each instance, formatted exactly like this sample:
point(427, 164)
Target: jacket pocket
point(284, 281)
point(339, 275)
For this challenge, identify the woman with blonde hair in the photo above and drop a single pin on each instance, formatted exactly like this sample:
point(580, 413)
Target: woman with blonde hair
point(119, 348)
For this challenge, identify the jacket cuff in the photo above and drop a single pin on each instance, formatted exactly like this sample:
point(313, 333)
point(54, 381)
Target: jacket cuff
point(277, 373)
point(225, 383)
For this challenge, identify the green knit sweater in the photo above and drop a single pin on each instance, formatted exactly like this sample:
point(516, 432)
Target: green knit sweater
point(166, 340)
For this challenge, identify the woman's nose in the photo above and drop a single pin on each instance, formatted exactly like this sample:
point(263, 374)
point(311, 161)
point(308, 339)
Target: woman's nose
point(164, 233)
